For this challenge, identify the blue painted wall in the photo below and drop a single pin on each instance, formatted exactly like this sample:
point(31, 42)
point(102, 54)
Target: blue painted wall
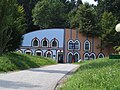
point(41, 34)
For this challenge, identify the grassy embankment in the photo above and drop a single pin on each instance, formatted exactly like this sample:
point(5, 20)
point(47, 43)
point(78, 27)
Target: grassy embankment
point(15, 61)
point(101, 74)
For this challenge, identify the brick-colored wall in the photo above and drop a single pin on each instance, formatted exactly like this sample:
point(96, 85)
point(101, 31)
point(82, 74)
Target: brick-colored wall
point(96, 43)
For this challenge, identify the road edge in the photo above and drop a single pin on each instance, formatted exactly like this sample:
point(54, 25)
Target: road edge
point(65, 77)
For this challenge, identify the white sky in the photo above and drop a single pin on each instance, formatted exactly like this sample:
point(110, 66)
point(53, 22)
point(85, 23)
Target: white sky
point(90, 1)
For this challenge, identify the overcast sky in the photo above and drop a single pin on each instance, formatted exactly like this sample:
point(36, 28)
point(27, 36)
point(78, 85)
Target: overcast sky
point(90, 1)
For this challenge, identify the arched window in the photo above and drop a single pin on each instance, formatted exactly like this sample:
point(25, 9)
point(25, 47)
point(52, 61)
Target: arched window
point(70, 45)
point(38, 53)
point(92, 56)
point(86, 56)
point(77, 45)
point(35, 42)
point(86, 45)
point(29, 52)
point(76, 57)
point(49, 54)
point(70, 57)
point(101, 55)
point(54, 43)
point(45, 42)
point(19, 51)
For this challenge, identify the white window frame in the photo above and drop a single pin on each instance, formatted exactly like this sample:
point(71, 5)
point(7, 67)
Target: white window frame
point(28, 51)
point(68, 55)
point(68, 44)
point(78, 44)
point(52, 42)
point(93, 54)
point(101, 54)
point(50, 53)
point(37, 40)
point(19, 51)
point(47, 43)
point(38, 51)
point(85, 55)
point(87, 41)
point(78, 55)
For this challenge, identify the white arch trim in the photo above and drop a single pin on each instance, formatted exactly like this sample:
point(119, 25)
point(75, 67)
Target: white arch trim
point(93, 54)
point(77, 54)
point(47, 42)
point(49, 52)
point(38, 51)
point(78, 45)
point(28, 51)
point(101, 54)
point(85, 55)
point(86, 41)
point(19, 51)
point(68, 55)
point(68, 44)
point(56, 42)
point(34, 40)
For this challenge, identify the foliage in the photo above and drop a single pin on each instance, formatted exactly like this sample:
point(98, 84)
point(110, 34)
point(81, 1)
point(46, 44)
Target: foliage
point(16, 61)
point(101, 74)
point(107, 23)
point(11, 25)
point(109, 6)
point(28, 5)
point(49, 14)
point(85, 17)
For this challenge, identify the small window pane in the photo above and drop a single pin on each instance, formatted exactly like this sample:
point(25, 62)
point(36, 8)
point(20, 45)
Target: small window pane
point(86, 57)
point(54, 44)
point(38, 53)
point(35, 43)
point(71, 45)
point(45, 43)
point(28, 53)
point(77, 45)
point(101, 56)
point(49, 55)
point(76, 57)
point(87, 46)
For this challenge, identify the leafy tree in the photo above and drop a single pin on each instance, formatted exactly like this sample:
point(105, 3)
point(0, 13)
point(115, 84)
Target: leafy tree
point(109, 6)
point(49, 14)
point(85, 17)
point(11, 25)
point(28, 5)
point(108, 34)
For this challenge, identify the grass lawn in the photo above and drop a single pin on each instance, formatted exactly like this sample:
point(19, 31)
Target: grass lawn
point(100, 74)
point(16, 61)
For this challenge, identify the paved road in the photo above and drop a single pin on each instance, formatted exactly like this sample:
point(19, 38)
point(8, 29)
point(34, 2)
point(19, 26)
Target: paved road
point(44, 78)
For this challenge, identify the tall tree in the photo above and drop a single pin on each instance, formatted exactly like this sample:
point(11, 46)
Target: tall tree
point(11, 24)
point(49, 14)
point(108, 34)
point(28, 5)
point(85, 17)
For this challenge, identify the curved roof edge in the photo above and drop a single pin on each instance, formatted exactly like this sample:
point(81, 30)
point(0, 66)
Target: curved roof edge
point(45, 29)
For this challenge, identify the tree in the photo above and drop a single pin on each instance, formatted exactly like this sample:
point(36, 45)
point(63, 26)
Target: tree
point(109, 6)
point(28, 5)
point(108, 34)
point(85, 17)
point(49, 14)
point(11, 25)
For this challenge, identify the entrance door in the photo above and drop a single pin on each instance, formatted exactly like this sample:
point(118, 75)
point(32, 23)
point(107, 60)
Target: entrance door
point(60, 57)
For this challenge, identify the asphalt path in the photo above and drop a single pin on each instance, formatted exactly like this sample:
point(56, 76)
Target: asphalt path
point(44, 78)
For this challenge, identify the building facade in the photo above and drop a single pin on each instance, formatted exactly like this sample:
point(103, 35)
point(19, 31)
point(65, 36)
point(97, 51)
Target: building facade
point(63, 45)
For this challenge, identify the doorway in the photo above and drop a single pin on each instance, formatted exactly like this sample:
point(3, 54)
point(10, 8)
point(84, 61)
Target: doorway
point(60, 57)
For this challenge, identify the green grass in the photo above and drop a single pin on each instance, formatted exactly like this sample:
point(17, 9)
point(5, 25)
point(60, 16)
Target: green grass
point(16, 61)
point(100, 74)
